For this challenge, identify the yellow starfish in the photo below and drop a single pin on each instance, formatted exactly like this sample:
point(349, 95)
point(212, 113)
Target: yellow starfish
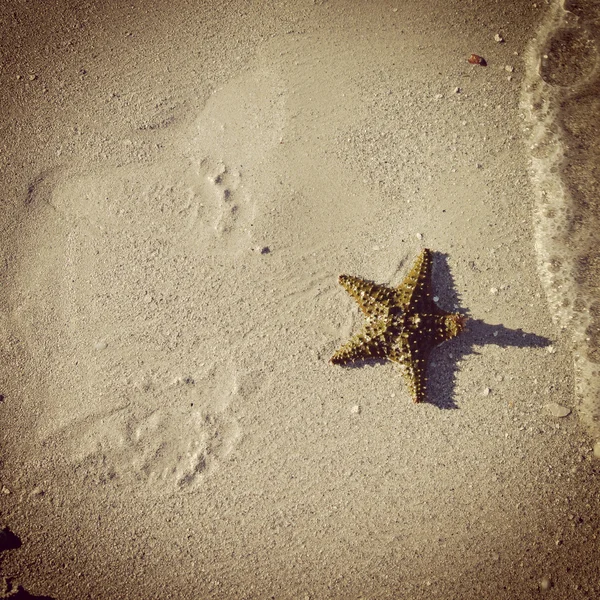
point(402, 324)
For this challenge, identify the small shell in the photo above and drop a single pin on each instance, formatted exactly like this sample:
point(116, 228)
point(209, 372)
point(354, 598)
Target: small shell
point(475, 59)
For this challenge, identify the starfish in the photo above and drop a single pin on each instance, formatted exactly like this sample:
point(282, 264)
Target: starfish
point(401, 324)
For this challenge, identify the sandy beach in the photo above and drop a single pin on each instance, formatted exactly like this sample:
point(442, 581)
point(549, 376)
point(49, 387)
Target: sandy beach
point(183, 183)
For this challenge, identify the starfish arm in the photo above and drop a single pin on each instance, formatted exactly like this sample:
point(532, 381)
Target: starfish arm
point(416, 291)
point(371, 297)
point(447, 327)
point(414, 364)
point(414, 375)
point(362, 346)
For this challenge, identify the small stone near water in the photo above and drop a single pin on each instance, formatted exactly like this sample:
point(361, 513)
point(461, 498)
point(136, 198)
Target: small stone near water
point(556, 410)
point(419, 236)
point(475, 59)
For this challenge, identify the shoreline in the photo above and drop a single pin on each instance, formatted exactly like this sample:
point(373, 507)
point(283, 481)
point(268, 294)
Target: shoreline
point(562, 74)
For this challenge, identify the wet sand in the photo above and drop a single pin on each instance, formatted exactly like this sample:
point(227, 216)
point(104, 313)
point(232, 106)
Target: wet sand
point(182, 187)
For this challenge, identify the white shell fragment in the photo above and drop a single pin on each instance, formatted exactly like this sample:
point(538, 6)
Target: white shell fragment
point(556, 410)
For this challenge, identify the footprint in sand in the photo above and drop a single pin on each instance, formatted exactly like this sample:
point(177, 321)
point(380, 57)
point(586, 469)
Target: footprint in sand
point(181, 433)
point(233, 212)
point(192, 203)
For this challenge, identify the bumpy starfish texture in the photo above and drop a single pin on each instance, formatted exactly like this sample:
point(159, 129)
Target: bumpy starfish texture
point(402, 324)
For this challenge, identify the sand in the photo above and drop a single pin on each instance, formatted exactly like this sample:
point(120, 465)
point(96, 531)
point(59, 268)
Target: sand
point(182, 185)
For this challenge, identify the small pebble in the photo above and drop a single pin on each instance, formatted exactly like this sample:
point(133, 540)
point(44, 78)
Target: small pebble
point(32, 77)
point(498, 38)
point(486, 391)
point(419, 236)
point(436, 298)
point(36, 491)
point(556, 410)
point(493, 291)
point(509, 69)
point(263, 249)
point(545, 584)
point(457, 90)
point(5, 490)
point(101, 345)
point(355, 410)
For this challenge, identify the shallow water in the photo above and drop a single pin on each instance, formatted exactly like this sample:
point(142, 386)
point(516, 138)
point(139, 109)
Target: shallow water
point(561, 98)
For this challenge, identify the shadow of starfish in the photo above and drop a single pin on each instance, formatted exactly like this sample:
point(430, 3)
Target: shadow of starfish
point(476, 333)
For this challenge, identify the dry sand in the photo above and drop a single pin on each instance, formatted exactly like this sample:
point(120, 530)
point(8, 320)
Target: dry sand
point(182, 184)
